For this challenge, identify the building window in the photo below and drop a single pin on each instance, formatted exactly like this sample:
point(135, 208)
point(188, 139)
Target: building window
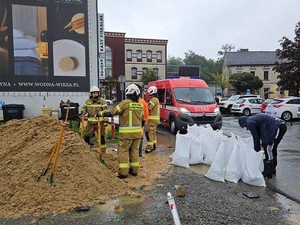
point(139, 56)
point(129, 55)
point(149, 56)
point(158, 56)
point(134, 73)
point(239, 68)
point(253, 73)
point(266, 75)
point(108, 62)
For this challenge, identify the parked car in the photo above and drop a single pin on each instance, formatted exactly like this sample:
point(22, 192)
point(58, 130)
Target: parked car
point(247, 106)
point(109, 102)
point(225, 106)
point(265, 104)
point(298, 113)
point(286, 108)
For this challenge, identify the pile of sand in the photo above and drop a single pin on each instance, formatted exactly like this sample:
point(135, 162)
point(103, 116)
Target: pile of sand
point(80, 180)
point(25, 147)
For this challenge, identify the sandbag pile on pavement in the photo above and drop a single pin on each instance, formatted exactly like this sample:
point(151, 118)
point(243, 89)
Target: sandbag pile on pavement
point(230, 158)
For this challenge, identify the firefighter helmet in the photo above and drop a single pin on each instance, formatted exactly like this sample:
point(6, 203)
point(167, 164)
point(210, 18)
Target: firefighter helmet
point(132, 89)
point(152, 90)
point(94, 89)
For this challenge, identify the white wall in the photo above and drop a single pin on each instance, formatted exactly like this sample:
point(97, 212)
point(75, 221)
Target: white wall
point(34, 102)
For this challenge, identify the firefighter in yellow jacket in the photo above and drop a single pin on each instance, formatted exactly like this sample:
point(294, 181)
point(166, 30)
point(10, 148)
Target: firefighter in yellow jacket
point(131, 116)
point(153, 119)
point(91, 107)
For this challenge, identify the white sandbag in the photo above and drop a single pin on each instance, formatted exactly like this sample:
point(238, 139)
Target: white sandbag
point(233, 170)
point(196, 153)
point(217, 169)
point(251, 164)
point(180, 156)
point(210, 144)
point(249, 141)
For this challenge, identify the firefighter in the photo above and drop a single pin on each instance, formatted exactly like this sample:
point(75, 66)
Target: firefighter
point(131, 116)
point(91, 107)
point(153, 119)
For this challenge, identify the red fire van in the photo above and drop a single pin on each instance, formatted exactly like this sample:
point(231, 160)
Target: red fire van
point(185, 101)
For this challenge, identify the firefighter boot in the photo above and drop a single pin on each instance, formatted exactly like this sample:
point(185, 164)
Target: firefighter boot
point(268, 168)
point(131, 172)
point(154, 146)
point(87, 139)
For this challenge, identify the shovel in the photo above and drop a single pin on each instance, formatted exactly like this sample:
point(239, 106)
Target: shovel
point(99, 142)
point(55, 151)
point(113, 128)
point(82, 126)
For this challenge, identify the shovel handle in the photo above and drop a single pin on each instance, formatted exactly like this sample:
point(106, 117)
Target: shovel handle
point(99, 142)
point(112, 128)
point(59, 140)
point(82, 126)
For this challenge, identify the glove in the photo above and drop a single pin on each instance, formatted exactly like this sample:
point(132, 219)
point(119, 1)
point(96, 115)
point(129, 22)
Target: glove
point(106, 114)
point(98, 114)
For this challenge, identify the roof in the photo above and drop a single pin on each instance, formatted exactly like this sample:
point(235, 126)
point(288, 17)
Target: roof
point(250, 58)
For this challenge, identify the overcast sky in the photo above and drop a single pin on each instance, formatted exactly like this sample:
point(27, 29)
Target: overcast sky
point(203, 26)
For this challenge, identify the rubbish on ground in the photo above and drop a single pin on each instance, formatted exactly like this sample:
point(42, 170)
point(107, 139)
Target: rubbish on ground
point(173, 209)
point(250, 194)
point(180, 191)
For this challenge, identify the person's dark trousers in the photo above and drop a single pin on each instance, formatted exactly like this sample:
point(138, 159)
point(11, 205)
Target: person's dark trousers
point(268, 164)
point(281, 133)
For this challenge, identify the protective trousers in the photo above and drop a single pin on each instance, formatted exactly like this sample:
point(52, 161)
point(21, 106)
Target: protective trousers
point(128, 156)
point(89, 132)
point(151, 141)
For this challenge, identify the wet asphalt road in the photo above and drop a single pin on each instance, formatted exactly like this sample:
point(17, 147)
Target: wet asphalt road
point(206, 201)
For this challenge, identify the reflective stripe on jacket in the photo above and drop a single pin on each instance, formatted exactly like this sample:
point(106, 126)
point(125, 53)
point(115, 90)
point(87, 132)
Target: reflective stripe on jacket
point(92, 106)
point(154, 110)
point(130, 118)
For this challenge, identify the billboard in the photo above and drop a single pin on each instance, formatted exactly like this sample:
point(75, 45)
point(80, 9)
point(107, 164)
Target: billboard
point(189, 71)
point(44, 45)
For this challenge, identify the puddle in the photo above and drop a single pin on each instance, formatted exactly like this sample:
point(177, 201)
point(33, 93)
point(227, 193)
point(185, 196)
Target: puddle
point(292, 207)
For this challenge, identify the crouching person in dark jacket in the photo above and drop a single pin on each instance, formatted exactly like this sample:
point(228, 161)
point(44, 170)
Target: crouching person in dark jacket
point(264, 129)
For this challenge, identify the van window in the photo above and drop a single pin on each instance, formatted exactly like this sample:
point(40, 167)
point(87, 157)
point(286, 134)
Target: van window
point(161, 95)
point(169, 97)
point(195, 96)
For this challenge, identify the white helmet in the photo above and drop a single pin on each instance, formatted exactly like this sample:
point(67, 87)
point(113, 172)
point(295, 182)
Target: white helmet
point(152, 90)
point(94, 89)
point(132, 89)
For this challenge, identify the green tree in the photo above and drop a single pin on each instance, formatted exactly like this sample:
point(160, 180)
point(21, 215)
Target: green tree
point(289, 67)
point(148, 76)
point(244, 81)
point(220, 80)
point(226, 48)
point(206, 66)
